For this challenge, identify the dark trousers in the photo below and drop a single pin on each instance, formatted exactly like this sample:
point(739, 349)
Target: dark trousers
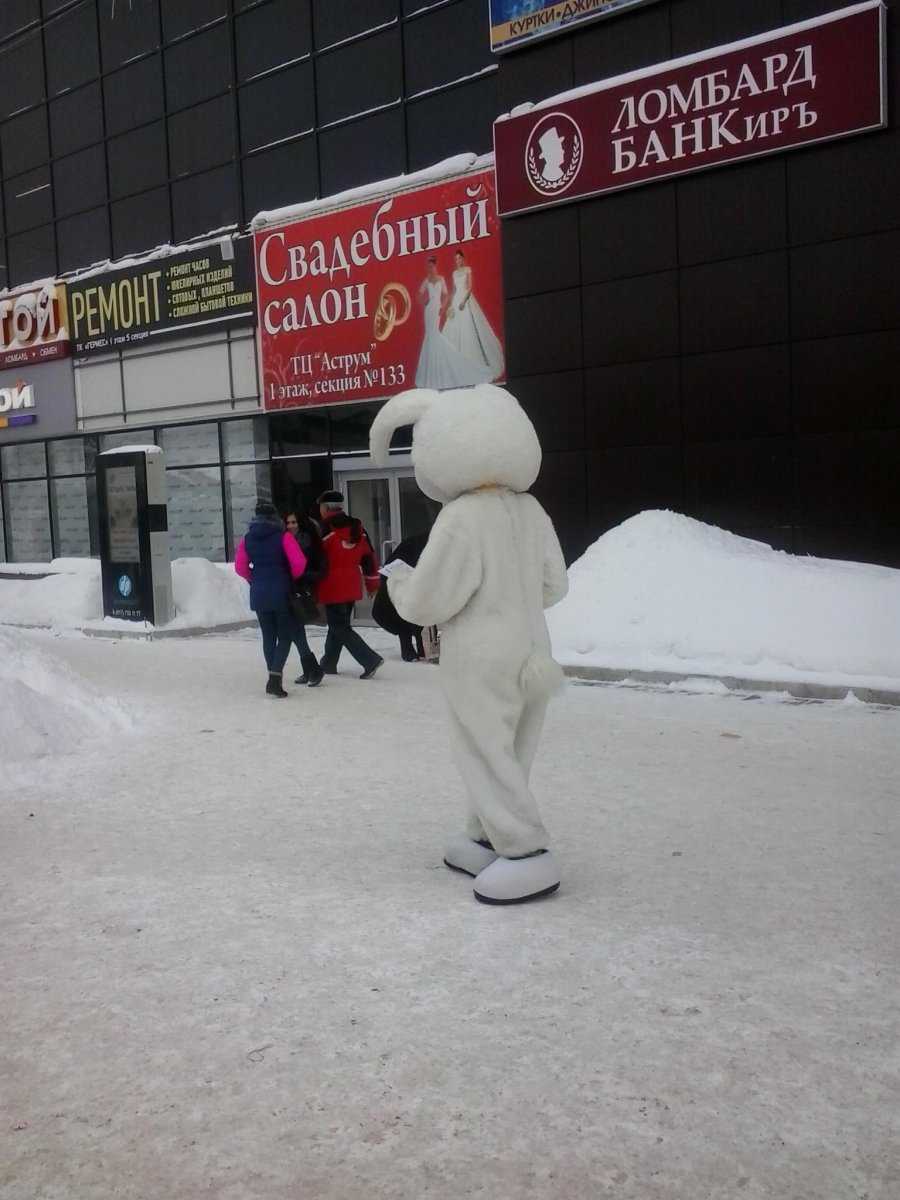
point(342, 637)
point(407, 650)
point(307, 658)
point(278, 630)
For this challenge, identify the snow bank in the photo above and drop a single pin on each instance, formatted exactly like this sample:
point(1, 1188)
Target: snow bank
point(662, 592)
point(206, 595)
point(47, 708)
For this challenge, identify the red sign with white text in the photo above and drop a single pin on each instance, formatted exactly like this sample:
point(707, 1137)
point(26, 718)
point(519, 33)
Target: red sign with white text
point(809, 82)
point(398, 292)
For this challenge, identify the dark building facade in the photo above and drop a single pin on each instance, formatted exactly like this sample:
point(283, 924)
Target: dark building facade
point(726, 344)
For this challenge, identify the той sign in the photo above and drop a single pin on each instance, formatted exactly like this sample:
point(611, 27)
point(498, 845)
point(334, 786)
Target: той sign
point(34, 325)
point(12, 400)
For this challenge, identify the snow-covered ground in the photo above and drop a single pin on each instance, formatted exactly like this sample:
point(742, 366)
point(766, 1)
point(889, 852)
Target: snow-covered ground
point(664, 593)
point(234, 967)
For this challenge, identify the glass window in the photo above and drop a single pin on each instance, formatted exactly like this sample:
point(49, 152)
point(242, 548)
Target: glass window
point(72, 456)
point(417, 512)
point(28, 521)
point(202, 136)
point(28, 200)
point(359, 76)
point(243, 486)
point(246, 439)
point(128, 437)
point(23, 462)
point(196, 528)
point(187, 444)
point(283, 175)
point(350, 425)
point(16, 14)
point(72, 500)
point(299, 433)
point(126, 34)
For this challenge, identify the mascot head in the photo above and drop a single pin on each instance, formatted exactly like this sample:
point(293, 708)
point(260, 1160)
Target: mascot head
point(462, 440)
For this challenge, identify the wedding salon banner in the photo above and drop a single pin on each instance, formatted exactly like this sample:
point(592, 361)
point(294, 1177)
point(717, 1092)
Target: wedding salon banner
point(516, 22)
point(193, 292)
point(810, 82)
point(398, 292)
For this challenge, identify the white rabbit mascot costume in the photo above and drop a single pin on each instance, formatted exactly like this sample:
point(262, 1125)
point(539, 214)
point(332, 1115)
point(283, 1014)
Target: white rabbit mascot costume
point(491, 566)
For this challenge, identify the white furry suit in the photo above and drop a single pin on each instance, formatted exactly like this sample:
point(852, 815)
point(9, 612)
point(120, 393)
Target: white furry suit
point(491, 566)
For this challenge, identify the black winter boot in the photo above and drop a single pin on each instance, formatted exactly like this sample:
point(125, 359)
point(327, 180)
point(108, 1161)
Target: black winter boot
point(273, 687)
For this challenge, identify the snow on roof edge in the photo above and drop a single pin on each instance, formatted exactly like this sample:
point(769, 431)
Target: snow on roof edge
point(166, 250)
point(458, 164)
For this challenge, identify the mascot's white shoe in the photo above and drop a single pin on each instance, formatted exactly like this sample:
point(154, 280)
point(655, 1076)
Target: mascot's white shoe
point(462, 854)
point(515, 880)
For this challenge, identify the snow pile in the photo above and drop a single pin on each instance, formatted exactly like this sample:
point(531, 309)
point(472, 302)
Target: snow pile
point(206, 595)
point(662, 592)
point(48, 708)
point(65, 599)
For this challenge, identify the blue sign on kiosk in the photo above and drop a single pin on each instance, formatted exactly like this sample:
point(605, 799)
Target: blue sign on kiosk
point(134, 534)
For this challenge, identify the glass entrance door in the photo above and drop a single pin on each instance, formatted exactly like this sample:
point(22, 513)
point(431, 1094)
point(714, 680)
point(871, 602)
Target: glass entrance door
point(388, 502)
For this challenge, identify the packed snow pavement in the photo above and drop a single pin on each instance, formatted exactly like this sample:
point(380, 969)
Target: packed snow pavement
point(234, 967)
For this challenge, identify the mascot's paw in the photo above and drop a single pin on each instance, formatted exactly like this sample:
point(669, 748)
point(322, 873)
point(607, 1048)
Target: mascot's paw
point(515, 880)
point(462, 854)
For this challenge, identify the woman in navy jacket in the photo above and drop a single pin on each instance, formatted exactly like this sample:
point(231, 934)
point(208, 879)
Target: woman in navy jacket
point(269, 559)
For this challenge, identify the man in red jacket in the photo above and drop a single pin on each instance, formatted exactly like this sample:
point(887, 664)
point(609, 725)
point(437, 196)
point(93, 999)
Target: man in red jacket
point(351, 562)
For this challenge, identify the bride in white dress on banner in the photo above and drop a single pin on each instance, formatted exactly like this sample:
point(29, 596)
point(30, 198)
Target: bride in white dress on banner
point(467, 329)
point(441, 365)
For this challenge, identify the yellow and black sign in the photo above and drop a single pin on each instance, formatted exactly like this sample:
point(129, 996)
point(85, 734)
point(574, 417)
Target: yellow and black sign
point(517, 22)
point(192, 292)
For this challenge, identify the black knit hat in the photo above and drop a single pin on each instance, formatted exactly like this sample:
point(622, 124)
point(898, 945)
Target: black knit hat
point(331, 497)
point(265, 508)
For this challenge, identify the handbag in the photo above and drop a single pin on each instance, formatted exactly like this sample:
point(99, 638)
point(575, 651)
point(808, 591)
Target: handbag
point(304, 605)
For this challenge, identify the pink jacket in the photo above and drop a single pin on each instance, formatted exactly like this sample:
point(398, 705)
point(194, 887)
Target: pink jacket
point(295, 556)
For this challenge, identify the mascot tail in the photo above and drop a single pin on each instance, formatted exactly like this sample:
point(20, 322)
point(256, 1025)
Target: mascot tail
point(541, 676)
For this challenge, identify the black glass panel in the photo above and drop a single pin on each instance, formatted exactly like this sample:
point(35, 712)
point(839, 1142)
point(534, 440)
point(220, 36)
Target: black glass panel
point(283, 175)
point(32, 255)
point(83, 239)
point(183, 16)
point(276, 107)
point(198, 68)
point(360, 76)
point(137, 160)
point(127, 30)
point(336, 20)
point(201, 137)
point(76, 120)
point(24, 142)
point(80, 181)
point(28, 200)
point(22, 72)
point(72, 52)
point(133, 95)
point(141, 222)
point(205, 202)
point(16, 14)
point(270, 35)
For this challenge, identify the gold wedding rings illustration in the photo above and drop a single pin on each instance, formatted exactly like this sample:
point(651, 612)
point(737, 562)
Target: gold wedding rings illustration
point(394, 307)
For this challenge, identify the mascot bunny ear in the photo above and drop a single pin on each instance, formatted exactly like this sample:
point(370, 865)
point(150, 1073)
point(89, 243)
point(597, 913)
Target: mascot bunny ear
point(404, 409)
